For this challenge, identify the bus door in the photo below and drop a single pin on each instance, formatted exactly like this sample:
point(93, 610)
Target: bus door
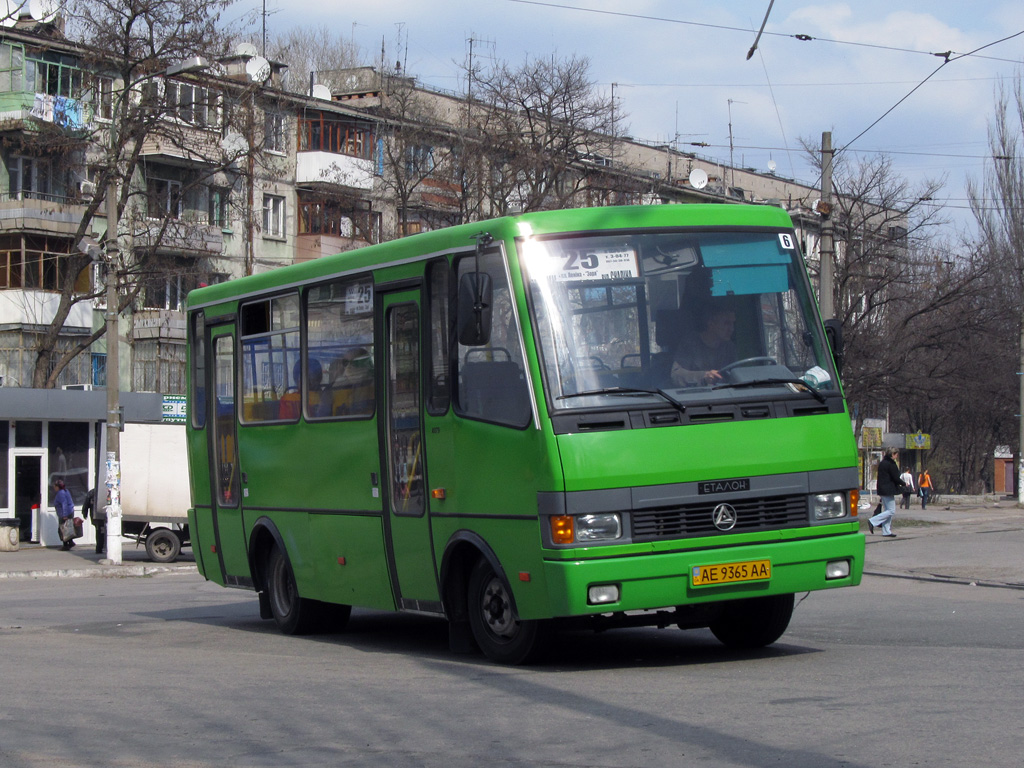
point(407, 524)
point(229, 534)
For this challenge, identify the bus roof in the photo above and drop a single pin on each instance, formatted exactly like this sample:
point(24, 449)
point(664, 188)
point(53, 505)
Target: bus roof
point(422, 245)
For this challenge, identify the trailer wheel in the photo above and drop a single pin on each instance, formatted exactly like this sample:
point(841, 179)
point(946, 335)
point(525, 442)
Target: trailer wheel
point(755, 622)
point(163, 545)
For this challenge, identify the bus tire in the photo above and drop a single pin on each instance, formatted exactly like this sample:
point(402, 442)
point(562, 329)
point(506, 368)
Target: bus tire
point(163, 545)
point(501, 635)
point(754, 622)
point(294, 615)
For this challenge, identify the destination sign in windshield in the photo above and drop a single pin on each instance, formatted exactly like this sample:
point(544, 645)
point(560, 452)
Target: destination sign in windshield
point(597, 264)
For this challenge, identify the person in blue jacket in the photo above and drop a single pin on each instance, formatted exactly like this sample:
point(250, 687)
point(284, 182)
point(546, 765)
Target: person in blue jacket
point(65, 507)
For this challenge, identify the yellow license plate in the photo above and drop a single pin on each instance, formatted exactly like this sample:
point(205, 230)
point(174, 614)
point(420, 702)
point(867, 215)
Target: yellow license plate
point(729, 573)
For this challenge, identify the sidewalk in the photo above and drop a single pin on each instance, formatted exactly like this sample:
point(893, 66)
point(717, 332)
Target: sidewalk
point(32, 561)
point(977, 541)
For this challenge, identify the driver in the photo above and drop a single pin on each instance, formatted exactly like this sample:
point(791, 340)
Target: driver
point(699, 357)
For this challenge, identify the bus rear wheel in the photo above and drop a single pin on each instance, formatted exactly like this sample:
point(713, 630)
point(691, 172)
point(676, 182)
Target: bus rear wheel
point(502, 636)
point(293, 615)
point(754, 622)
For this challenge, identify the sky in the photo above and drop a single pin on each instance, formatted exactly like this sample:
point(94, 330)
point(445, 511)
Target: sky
point(679, 70)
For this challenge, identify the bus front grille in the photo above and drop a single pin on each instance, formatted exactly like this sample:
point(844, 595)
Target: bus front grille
point(697, 519)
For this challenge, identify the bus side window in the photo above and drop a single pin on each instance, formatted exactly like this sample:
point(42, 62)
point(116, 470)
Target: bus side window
point(439, 393)
point(198, 347)
point(492, 377)
point(339, 338)
point(271, 369)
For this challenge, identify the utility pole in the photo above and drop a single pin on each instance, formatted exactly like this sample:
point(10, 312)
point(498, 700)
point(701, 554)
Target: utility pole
point(732, 165)
point(826, 290)
point(113, 371)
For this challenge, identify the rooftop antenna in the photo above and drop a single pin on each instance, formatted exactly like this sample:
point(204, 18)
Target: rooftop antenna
point(732, 172)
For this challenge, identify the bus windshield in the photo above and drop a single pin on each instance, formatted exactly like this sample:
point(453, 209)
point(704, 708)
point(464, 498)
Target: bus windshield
point(677, 316)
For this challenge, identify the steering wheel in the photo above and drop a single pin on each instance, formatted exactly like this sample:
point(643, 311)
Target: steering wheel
point(598, 363)
point(748, 361)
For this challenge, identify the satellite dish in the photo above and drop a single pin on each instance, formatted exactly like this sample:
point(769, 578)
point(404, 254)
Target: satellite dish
point(771, 166)
point(321, 92)
point(43, 10)
point(246, 49)
point(9, 10)
point(233, 143)
point(258, 69)
point(698, 178)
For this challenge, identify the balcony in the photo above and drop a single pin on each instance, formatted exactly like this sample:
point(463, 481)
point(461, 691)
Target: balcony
point(33, 307)
point(329, 169)
point(183, 145)
point(180, 236)
point(38, 212)
point(165, 324)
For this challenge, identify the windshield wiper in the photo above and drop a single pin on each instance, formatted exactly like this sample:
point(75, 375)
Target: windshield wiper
point(627, 391)
point(803, 385)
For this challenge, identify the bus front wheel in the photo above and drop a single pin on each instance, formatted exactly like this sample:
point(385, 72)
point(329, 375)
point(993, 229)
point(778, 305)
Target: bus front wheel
point(754, 622)
point(293, 615)
point(501, 635)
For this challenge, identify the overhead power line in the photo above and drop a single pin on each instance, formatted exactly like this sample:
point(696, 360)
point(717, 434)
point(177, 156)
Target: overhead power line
point(799, 36)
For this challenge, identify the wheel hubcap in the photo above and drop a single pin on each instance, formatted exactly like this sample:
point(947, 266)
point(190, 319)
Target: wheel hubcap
point(497, 610)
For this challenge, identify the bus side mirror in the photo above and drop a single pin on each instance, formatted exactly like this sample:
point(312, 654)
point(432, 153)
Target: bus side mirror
point(834, 334)
point(473, 312)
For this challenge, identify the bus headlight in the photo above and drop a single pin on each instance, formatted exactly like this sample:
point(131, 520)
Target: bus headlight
point(603, 527)
point(828, 506)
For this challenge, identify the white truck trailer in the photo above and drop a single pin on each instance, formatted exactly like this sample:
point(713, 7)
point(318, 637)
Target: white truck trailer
point(154, 490)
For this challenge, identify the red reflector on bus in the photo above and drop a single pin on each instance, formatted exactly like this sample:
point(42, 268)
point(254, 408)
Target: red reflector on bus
point(438, 493)
point(341, 561)
point(524, 575)
point(213, 548)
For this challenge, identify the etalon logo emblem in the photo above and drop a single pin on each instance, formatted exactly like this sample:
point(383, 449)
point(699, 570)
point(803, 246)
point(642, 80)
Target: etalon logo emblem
point(724, 517)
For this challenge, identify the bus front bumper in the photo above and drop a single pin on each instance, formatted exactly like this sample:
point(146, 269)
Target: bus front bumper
point(658, 580)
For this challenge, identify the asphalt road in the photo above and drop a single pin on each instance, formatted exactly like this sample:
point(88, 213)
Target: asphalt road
point(171, 671)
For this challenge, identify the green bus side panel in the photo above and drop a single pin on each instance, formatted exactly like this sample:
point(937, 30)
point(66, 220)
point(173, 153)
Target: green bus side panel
point(663, 580)
point(314, 467)
point(200, 527)
point(629, 458)
point(347, 553)
point(497, 470)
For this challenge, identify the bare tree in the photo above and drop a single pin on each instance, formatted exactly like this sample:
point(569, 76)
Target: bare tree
point(122, 44)
point(418, 156)
point(535, 124)
point(998, 205)
point(320, 52)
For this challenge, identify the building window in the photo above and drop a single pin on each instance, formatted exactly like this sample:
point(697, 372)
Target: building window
point(192, 104)
point(322, 132)
point(219, 206)
point(99, 370)
point(419, 160)
point(273, 137)
point(163, 198)
point(30, 178)
point(105, 98)
point(37, 261)
point(54, 74)
point(273, 216)
point(12, 68)
point(167, 291)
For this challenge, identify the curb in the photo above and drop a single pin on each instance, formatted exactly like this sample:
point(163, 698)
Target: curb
point(112, 572)
point(946, 580)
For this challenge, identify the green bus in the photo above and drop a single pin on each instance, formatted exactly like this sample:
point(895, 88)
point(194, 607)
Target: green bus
point(604, 417)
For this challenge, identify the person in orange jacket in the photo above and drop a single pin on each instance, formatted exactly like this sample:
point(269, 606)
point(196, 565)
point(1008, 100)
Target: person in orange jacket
point(924, 486)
